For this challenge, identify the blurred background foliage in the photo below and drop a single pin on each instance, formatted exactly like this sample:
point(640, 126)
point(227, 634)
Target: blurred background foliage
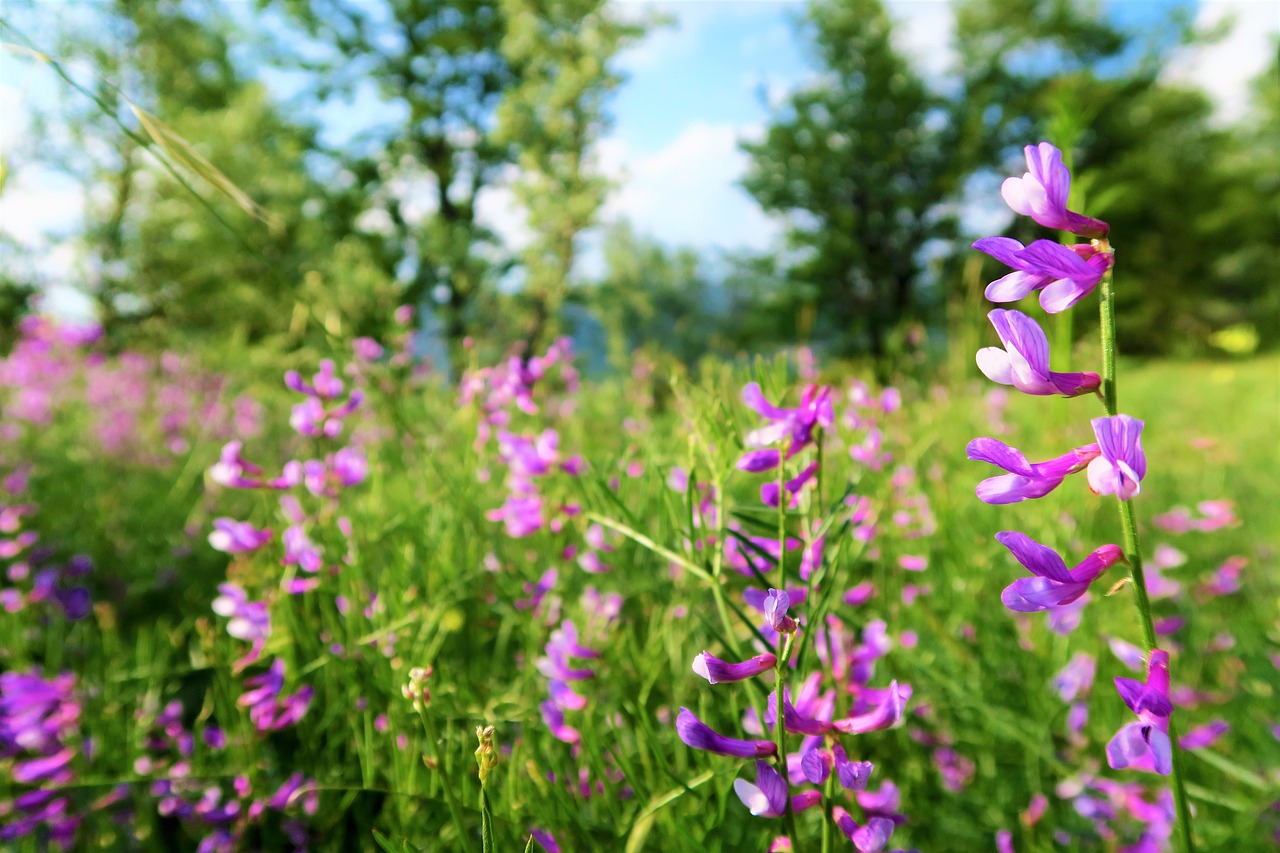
point(867, 164)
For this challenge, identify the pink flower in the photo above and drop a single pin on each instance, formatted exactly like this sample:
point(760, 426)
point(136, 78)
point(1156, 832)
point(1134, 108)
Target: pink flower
point(1042, 192)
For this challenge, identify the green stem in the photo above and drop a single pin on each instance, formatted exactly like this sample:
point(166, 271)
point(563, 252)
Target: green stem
point(1133, 553)
point(1107, 307)
point(449, 796)
point(779, 724)
point(486, 821)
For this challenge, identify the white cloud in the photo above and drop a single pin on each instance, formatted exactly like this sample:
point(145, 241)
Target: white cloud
point(1225, 69)
point(924, 34)
point(498, 209)
point(685, 193)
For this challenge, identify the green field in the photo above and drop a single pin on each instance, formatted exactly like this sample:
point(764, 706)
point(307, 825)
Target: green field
point(426, 579)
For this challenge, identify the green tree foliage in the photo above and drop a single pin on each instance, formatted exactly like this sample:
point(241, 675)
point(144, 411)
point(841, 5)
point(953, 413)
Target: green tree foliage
point(1011, 59)
point(856, 162)
point(559, 51)
point(438, 73)
point(1186, 196)
point(177, 255)
point(652, 295)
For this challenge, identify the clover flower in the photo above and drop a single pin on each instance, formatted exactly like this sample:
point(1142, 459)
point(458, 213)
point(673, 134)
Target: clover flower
point(1122, 464)
point(1024, 361)
point(1042, 193)
point(1145, 745)
point(1053, 585)
point(1025, 480)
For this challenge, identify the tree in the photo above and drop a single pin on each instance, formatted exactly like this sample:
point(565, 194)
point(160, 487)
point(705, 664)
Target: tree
point(856, 164)
point(173, 255)
point(652, 296)
point(1186, 198)
point(439, 74)
point(559, 51)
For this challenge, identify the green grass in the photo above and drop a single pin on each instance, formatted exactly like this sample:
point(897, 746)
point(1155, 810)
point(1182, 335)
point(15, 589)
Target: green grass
point(421, 544)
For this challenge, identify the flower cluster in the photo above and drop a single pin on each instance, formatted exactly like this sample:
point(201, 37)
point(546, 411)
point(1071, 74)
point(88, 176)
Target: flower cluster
point(565, 665)
point(811, 713)
point(792, 428)
point(322, 414)
point(531, 458)
point(219, 816)
point(1114, 462)
point(36, 576)
point(39, 734)
point(142, 409)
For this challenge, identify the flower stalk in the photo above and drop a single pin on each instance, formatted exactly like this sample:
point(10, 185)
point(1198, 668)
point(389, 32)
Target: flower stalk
point(1132, 549)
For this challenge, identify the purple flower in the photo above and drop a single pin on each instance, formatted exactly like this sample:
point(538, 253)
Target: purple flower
point(853, 775)
point(1122, 464)
point(698, 735)
point(1042, 192)
point(1053, 585)
point(716, 671)
point(300, 551)
point(250, 620)
point(770, 493)
point(1063, 274)
point(553, 716)
point(1127, 653)
point(1025, 480)
point(234, 471)
point(1202, 736)
point(1024, 361)
point(522, 515)
point(796, 425)
point(885, 714)
point(871, 838)
point(1075, 679)
point(1145, 745)
point(815, 764)
point(367, 349)
point(38, 721)
point(325, 384)
point(796, 722)
point(545, 840)
point(237, 537)
point(267, 709)
point(775, 612)
point(768, 796)
point(350, 466)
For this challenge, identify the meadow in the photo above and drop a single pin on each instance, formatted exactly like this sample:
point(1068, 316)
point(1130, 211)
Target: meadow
point(247, 613)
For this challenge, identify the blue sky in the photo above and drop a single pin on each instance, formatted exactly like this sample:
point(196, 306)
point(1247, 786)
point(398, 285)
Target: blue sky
point(694, 91)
